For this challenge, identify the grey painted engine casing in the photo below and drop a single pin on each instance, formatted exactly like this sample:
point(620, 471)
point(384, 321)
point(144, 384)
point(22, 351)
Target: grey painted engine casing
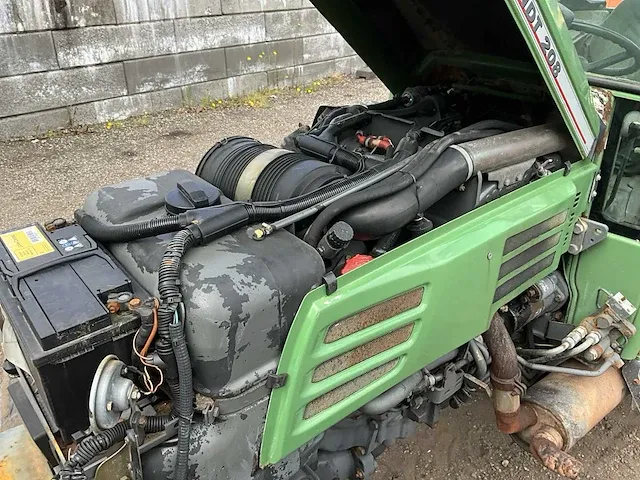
point(240, 295)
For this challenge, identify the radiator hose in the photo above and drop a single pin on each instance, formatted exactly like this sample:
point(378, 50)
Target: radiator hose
point(418, 165)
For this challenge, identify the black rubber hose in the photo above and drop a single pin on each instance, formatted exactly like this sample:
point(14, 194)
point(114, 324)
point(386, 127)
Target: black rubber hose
point(421, 163)
point(185, 400)
point(130, 231)
point(394, 102)
point(330, 116)
point(329, 151)
point(93, 446)
point(169, 328)
point(395, 183)
point(414, 109)
point(354, 121)
point(265, 211)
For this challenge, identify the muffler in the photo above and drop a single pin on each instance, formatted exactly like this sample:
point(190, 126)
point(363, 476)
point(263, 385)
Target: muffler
point(567, 408)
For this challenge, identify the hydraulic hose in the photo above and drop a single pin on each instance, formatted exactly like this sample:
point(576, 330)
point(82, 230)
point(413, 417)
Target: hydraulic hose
point(93, 446)
point(478, 357)
point(572, 371)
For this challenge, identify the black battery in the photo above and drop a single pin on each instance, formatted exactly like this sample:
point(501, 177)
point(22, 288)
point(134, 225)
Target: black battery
point(54, 287)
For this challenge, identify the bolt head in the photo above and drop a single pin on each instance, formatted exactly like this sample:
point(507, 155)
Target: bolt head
point(109, 406)
point(489, 256)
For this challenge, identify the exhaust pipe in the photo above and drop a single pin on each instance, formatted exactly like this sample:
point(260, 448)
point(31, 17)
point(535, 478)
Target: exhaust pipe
point(557, 411)
point(511, 416)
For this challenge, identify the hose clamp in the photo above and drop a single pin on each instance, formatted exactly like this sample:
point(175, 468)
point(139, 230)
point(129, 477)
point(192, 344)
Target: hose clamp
point(467, 158)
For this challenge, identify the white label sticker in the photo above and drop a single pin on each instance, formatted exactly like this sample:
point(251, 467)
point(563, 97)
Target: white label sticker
point(556, 72)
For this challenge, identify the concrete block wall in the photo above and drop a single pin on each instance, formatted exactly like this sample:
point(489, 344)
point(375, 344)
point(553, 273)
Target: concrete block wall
point(74, 62)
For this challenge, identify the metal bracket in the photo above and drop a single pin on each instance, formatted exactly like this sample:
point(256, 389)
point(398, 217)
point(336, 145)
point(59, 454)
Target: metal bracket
point(479, 383)
point(276, 380)
point(631, 375)
point(594, 187)
point(586, 234)
point(331, 282)
point(507, 176)
point(134, 455)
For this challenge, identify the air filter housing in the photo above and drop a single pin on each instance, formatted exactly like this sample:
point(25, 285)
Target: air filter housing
point(246, 169)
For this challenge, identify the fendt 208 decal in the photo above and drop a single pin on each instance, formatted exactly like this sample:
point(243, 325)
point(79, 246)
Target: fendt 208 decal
point(555, 71)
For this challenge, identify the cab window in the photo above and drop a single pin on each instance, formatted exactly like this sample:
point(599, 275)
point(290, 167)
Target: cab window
point(606, 34)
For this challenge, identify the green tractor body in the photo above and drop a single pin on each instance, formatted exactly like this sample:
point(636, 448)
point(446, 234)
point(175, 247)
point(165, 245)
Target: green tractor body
point(290, 311)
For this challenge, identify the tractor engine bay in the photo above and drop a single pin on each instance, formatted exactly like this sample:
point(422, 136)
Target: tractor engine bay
point(150, 328)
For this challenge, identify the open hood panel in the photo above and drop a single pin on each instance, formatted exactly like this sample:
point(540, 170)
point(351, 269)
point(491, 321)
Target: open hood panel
point(410, 42)
point(511, 44)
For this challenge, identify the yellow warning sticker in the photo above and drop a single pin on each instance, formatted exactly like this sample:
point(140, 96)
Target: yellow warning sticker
point(26, 243)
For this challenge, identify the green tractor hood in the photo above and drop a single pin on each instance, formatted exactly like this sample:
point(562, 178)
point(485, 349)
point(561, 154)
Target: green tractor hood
point(503, 42)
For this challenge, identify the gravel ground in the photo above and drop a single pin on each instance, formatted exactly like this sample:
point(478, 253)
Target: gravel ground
point(46, 179)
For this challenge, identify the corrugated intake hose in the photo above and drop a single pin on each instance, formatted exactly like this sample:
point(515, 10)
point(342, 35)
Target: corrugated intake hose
point(93, 446)
point(130, 231)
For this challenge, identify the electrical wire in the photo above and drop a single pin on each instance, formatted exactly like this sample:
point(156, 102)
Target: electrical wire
point(154, 329)
point(148, 382)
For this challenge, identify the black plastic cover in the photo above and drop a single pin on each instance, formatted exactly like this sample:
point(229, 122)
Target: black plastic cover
point(190, 194)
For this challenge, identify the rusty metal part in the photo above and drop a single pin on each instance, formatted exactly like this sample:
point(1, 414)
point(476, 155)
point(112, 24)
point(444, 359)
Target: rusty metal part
point(504, 365)
point(603, 100)
point(113, 306)
point(574, 405)
point(505, 378)
point(134, 303)
point(546, 446)
point(511, 416)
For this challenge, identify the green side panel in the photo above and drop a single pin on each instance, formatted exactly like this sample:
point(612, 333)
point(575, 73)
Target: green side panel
point(626, 95)
point(612, 265)
point(573, 98)
point(458, 269)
